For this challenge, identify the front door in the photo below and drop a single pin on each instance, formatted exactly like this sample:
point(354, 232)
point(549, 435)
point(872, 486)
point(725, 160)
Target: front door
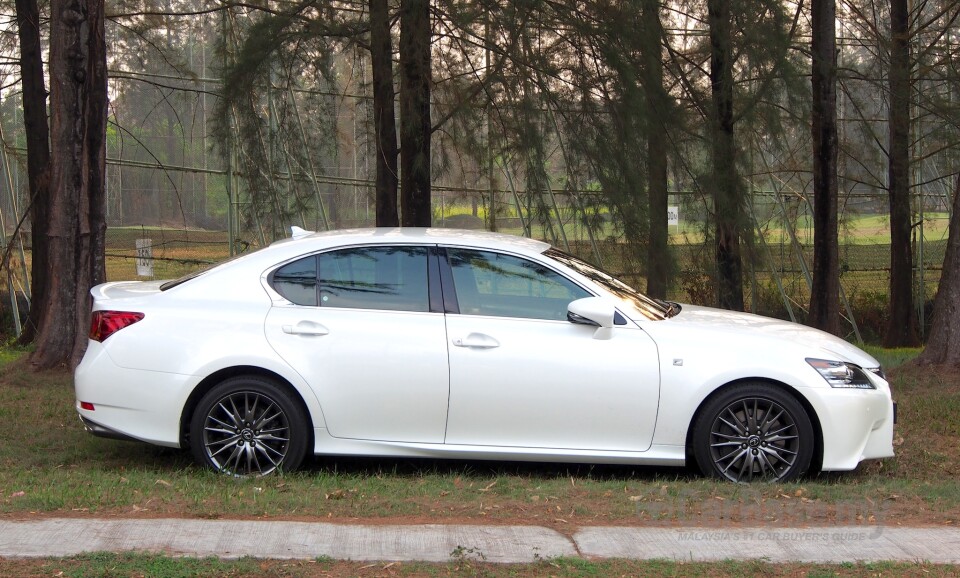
point(521, 375)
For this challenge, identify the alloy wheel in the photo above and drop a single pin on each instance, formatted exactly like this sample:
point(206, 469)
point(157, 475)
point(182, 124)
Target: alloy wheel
point(754, 439)
point(246, 433)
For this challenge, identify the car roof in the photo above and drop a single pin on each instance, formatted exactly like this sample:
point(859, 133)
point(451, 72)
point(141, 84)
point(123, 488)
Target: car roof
point(234, 272)
point(419, 235)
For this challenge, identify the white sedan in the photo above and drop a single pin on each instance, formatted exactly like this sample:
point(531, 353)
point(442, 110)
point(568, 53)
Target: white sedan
point(456, 344)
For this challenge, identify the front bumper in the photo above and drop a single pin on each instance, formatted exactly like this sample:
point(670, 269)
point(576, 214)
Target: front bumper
point(857, 425)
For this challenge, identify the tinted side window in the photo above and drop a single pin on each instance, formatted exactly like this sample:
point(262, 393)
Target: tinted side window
point(297, 281)
point(490, 283)
point(393, 278)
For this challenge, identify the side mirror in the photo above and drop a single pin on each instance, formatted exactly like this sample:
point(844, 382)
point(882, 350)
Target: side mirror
point(595, 311)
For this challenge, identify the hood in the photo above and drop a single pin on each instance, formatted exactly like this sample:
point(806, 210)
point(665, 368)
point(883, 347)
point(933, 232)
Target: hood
point(769, 328)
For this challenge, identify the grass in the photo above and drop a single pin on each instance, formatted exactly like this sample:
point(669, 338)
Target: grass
point(891, 358)
point(103, 564)
point(49, 465)
point(159, 566)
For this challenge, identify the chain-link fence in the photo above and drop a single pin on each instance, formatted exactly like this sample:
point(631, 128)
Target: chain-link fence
point(776, 262)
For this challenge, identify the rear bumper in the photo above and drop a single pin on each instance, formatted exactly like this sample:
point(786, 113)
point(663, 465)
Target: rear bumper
point(129, 403)
point(104, 432)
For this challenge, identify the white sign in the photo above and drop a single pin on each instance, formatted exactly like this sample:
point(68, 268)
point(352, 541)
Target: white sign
point(673, 216)
point(144, 258)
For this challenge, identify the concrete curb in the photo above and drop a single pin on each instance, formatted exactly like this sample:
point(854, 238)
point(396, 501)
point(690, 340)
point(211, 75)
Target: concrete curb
point(282, 540)
point(833, 544)
point(505, 544)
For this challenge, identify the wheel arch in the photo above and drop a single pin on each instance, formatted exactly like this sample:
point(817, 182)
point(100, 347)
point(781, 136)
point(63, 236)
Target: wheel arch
point(217, 377)
point(816, 462)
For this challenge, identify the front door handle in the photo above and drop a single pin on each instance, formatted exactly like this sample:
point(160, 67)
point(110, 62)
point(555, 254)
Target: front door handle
point(306, 328)
point(476, 341)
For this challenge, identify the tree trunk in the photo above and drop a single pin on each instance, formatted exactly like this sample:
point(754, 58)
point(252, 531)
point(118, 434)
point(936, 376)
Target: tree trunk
point(825, 293)
point(658, 255)
point(95, 144)
point(902, 328)
point(415, 130)
point(727, 202)
point(78, 118)
point(38, 152)
point(943, 346)
point(381, 57)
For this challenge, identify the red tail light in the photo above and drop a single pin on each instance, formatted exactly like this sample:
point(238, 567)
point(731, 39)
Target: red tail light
point(105, 323)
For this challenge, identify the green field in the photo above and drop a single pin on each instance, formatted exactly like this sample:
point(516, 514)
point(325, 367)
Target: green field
point(774, 277)
point(864, 246)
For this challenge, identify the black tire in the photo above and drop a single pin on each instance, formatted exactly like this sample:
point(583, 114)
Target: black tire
point(752, 432)
point(248, 426)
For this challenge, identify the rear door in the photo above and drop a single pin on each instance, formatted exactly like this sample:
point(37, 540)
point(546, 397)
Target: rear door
point(357, 325)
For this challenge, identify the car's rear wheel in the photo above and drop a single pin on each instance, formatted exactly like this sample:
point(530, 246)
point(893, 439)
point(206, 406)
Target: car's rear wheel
point(248, 426)
point(753, 432)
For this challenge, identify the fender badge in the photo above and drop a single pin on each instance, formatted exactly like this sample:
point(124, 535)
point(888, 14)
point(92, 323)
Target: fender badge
point(678, 362)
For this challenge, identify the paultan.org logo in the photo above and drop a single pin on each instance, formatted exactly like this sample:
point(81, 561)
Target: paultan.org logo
point(769, 535)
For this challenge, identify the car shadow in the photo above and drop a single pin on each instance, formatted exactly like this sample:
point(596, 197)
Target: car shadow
point(417, 467)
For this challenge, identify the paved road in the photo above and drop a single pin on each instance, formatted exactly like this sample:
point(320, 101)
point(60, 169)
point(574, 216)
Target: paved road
point(508, 544)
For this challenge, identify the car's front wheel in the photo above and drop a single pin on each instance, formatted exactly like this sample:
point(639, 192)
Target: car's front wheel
point(753, 432)
point(248, 426)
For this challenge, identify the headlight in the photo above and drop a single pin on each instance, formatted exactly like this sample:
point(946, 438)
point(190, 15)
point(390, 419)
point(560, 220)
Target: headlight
point(842, 375)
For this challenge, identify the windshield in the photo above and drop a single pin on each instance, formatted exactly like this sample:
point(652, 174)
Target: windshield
point(643, 304)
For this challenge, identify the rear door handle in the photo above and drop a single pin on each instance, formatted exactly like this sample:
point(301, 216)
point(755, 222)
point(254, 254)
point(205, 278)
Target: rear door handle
point(476, 341)
point(306, 328)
